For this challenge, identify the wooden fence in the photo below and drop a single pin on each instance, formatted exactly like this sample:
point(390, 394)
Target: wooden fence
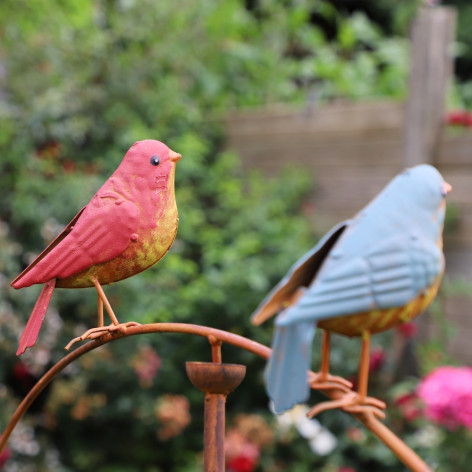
point(352, 150)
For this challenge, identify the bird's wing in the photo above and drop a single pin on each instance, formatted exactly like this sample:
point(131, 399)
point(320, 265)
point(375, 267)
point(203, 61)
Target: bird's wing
point(389, 275)
point(98, 233)
point(299, 275)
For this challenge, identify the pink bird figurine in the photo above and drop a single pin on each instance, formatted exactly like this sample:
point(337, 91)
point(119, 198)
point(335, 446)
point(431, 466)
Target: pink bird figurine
point(127, 227)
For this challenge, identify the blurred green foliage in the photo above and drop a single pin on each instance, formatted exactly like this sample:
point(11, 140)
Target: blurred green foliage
point(79, 83)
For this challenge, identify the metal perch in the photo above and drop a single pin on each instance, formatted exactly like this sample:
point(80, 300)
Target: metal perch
point(213, 425)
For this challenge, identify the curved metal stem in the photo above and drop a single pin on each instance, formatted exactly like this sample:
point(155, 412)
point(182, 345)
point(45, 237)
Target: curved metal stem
point(216, 337)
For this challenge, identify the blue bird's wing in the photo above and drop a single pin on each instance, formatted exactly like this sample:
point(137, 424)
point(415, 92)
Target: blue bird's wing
point(389, 274)
point(301, 274)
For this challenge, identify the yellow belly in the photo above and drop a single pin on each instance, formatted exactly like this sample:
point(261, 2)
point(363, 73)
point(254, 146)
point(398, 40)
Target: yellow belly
point(376, 321)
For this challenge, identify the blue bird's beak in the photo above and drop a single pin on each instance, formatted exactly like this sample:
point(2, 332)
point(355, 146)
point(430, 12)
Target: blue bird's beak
point(446, 188)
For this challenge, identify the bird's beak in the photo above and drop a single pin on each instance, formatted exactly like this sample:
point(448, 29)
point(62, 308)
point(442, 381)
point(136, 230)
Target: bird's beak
point(446, 188)
point(173, 156)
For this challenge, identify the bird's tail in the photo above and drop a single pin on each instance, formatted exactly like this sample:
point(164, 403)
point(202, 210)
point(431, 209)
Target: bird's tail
point(30, 333)
point(286, 375)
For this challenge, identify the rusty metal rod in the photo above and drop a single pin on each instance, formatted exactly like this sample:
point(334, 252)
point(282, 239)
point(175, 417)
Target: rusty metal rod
point(42, 383)
point(216, 380)
point(214, 433)
point(397, 446)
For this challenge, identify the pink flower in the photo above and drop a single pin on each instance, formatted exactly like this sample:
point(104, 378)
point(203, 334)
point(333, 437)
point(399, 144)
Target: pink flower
point(173, 412)
point(447, 395)
point(355, 434)
point(345, 469)
point(146, 364)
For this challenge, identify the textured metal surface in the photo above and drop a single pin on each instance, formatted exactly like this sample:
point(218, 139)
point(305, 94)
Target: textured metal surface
point(210, 377)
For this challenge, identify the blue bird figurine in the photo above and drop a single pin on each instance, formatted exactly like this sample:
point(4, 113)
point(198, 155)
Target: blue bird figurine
point(368, 274)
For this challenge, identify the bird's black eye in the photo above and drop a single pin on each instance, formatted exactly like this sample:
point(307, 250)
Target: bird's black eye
point(155, 160)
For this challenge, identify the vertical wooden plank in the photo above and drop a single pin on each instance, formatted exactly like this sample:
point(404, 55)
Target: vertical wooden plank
point(431, 68)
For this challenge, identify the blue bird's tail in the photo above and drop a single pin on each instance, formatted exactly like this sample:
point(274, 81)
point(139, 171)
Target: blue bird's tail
point(286, 375)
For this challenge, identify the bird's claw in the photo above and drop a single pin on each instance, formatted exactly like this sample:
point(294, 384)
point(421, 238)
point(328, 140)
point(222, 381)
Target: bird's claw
point(351, 402)
point(95, 333)
point(322, 381)
point(366, 410)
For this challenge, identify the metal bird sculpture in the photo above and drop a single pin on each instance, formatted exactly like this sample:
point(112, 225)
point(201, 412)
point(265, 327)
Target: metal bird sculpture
point(128, 226)
point(366, 275)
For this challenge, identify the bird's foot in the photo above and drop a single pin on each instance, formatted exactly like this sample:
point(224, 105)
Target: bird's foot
point(100, 331)
point(354, 403)
point(325, 381)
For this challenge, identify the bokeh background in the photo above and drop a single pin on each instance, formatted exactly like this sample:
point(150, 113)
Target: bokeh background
point(232, 85)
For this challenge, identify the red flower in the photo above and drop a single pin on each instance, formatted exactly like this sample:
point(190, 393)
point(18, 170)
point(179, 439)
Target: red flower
point(377, 359)
point(23, 376)
point(242, 464)
point(408, 330)
point(20, 371)
point(241, 454)
point(408, 405)
point(354, 381)
point(459, 118)
point(4, 456)
point(69, 167)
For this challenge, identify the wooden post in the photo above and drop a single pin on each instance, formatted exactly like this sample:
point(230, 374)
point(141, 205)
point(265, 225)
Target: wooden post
point(431, 68)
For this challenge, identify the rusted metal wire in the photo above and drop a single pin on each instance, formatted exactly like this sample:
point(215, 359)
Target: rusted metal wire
point(216, 338)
